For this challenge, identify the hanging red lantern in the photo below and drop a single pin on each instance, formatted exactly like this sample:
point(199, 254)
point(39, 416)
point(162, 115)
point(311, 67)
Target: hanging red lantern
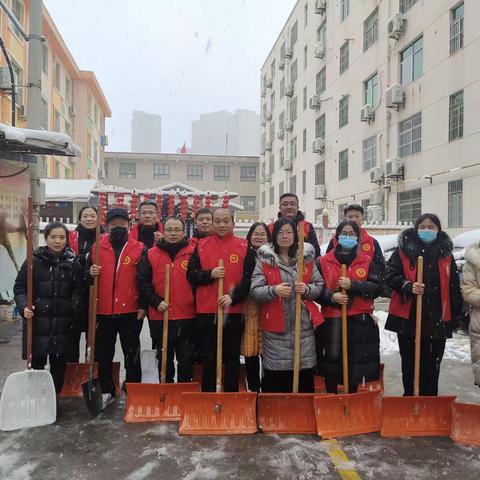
point(171, 205)
point(183, 207)
point(159, 201)
point(196, 205)
point(120, 200)
point(208, 200)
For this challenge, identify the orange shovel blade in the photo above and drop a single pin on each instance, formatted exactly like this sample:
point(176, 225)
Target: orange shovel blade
point(77, 373)
point(218, 413)
point(416, 416)
point(286, 413)
point(466, 423)
point(156, 402)
point(348, 414)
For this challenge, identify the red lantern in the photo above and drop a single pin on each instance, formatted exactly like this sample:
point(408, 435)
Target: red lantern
point(159, 204)
point(208, 200)
point(120, 200)
point(183, 207)
point(171, 205)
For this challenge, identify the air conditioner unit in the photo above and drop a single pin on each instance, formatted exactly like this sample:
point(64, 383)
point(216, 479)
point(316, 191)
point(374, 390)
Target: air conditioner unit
point(269, 83)
point(376, 175)
point(320, 192)
point(376, 197)
point(289, 90)
point(269, 116)
point(367, 114)
point(287, 165)
point(375, 214)
point(268, 147)
point(315, 101)
point(22, 111)
point(396, 26)
point(394, 96)
point(320, 6)
point(319, 50)
point(280, 134)
point(288, 125)
point(5, 82)
point(103, 140)
point(318, 145)
point(281, 65)
point(288, 52)
point(394, 167)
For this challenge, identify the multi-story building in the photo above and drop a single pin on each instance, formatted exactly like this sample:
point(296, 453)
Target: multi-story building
point(146, 132)
point(73, 101)
point(202, 172)
point(373, 102)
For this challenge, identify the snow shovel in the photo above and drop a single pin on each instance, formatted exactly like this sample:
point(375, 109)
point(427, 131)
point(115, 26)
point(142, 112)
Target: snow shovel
point(348, 413)
point(220, 412)
point(153, 402)
point(290, 413)
point(466, 423)
point(28, 398)
point(92, 392)
point(417, 416)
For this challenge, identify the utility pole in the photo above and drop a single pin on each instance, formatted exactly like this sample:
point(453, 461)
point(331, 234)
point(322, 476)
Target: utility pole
point(34, 101)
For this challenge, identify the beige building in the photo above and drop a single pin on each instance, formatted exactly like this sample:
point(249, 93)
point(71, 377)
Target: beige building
point(374, 102)
point(203, 172)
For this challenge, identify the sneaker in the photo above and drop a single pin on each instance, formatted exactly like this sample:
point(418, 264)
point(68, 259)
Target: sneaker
point(107, 399)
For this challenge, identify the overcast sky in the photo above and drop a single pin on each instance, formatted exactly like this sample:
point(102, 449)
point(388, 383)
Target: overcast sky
point(177, 58)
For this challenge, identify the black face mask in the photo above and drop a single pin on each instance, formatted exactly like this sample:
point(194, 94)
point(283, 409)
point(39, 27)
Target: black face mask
point(118, 235)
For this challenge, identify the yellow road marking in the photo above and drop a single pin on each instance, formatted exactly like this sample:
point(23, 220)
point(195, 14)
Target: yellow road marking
point(340, 460)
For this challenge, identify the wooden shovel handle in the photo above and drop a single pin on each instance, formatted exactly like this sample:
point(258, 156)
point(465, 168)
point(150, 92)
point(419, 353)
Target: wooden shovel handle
point(219, 332)
point(418, 331)
point(29, 279)
point(345, 338)
point(166, 298)
point(298, 308)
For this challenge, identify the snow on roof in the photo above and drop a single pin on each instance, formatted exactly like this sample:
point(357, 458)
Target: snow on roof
point(68, 190)
point(466, 239)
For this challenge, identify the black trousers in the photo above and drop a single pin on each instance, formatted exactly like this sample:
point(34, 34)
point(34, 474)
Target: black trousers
point(252, 370)
point(128, 328)
point(281, 381)
point(180, 344)
point(431, 354)
point(75, 357)
point(57, 368)
point(207, 338)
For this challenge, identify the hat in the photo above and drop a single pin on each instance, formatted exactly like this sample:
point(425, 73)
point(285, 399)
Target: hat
point(117, 213)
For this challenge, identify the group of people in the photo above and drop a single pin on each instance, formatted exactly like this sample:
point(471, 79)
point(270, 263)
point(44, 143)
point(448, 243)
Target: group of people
point(261, 282)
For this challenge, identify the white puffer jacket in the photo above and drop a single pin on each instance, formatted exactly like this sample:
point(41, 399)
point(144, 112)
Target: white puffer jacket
point(471, 294)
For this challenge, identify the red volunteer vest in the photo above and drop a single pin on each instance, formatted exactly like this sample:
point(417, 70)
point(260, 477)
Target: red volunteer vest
point(233, 251)
point(366, 243)
point(401, 308)
point(181, 305)
point(358, 270)
point(117, 290)
point(306, 227)
point(73, 241)
point(272, 317)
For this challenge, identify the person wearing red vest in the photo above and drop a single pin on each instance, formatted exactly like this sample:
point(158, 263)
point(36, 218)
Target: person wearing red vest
point(289, 209)
point(274, 285)
point(147, 230)
point(442, 299)
point(119, 308)
point(202, 273)
point(203, 225)
point(174, 250)
point(363, 284)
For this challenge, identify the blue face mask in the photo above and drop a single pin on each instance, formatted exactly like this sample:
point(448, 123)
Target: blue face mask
point(347, 242)
point(427, 236)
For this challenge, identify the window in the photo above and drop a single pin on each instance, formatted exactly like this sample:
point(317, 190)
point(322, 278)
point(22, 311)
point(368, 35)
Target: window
point(369, 153)
point(282, 51)
point(68, 129)
point(293, 148)
point(322, 34)
point(344, 57)
point(56, 169)
point(410, 135)
point(455, 204)
point(105, 167)
point(320, 127)
point(304, 181)
point(304, 142)
point(294, 71)
point(18, 12)
point(343, 111)
point(305, 14)
point(194, 172)
point(321, 81)
point(411, 62)
point(44, 114)
point(343, 165)
point(18, 77)
point(248, 173)
point(305, 98)
point(68, 90)
point(271, 165)
point(371, 91)
point(221, 172)
point(406, 5)
point(365, 205)
point(282, 87)
point(272, 69)
point(95, 113)
point(305, 57)
point(281, 189)
point(344, 9)
point(263, 199)
point(272, 196)
point(293, 110)
point(409, 205)
point(272, 131)
point(282, 157)
point(281, 121)
point(293, 185)
point(249, 203)
point(272, 101)
point(455, 117)
point(45, 58)
point(264, 168)
point(370, 30)
point(264, 142)
point(127, 170)
point(56, 120)
point(320, 173)
point(161, 171)
point(58, 77)
point(294, 34)
point(340, 211)
point(456, 29)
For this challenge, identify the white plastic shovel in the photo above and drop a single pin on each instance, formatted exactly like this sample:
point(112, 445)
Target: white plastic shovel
point(28, 398)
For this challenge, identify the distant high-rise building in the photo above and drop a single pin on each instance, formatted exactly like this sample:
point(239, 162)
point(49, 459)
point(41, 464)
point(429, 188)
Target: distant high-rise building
point(146, 132)
point(242, 127)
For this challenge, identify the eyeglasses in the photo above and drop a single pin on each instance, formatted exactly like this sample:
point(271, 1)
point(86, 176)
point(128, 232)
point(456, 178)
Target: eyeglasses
point(173, 230)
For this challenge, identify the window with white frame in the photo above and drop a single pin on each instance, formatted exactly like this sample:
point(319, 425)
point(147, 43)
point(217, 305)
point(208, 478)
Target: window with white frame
point(44, 114)
point(249, 203)
point(18, 10)
point(455, 117)
point(305, 14)
point(127, 170)
point(293, 185)
point(68, 89)
point(304, 98)
point(263, 199)
point(272, 69)
point(344, 9)
point(293, 110)
point(281, 189)
point(410, 135)
point(282, 88)
point(304, 142)
point(405, 5)
point(293, 148)
point(371, 91)
point(45, 58)
point(344, 57)
point(343, 165)
point(304, 182)
point(369, 153)
point(294, 34)
point(282, 157)
point(294, 71)
point(370, 30)
point(409, 205)
point(263, 168)
point(455, 204)
point(271, 165)
point(272, 101)
point(221, 173)
point(161, 171)
point(320, 127)
point(58, 76)
point(305, 57)
point(272, 131)
point(456, 28)
point(321, 80)
point(56, 120)
point(343, 111)
point(19, 82)
point(411, 62)
point(194, 172)
point(248, 173)
point(272, 195)
point(322, 34)
point(320, 173)
point(281, 121)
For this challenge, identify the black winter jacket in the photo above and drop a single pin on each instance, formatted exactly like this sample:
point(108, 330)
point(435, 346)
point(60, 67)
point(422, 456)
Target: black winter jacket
point(58, 285)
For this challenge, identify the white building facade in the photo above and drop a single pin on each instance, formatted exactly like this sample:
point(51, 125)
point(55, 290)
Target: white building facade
point(374, 102)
